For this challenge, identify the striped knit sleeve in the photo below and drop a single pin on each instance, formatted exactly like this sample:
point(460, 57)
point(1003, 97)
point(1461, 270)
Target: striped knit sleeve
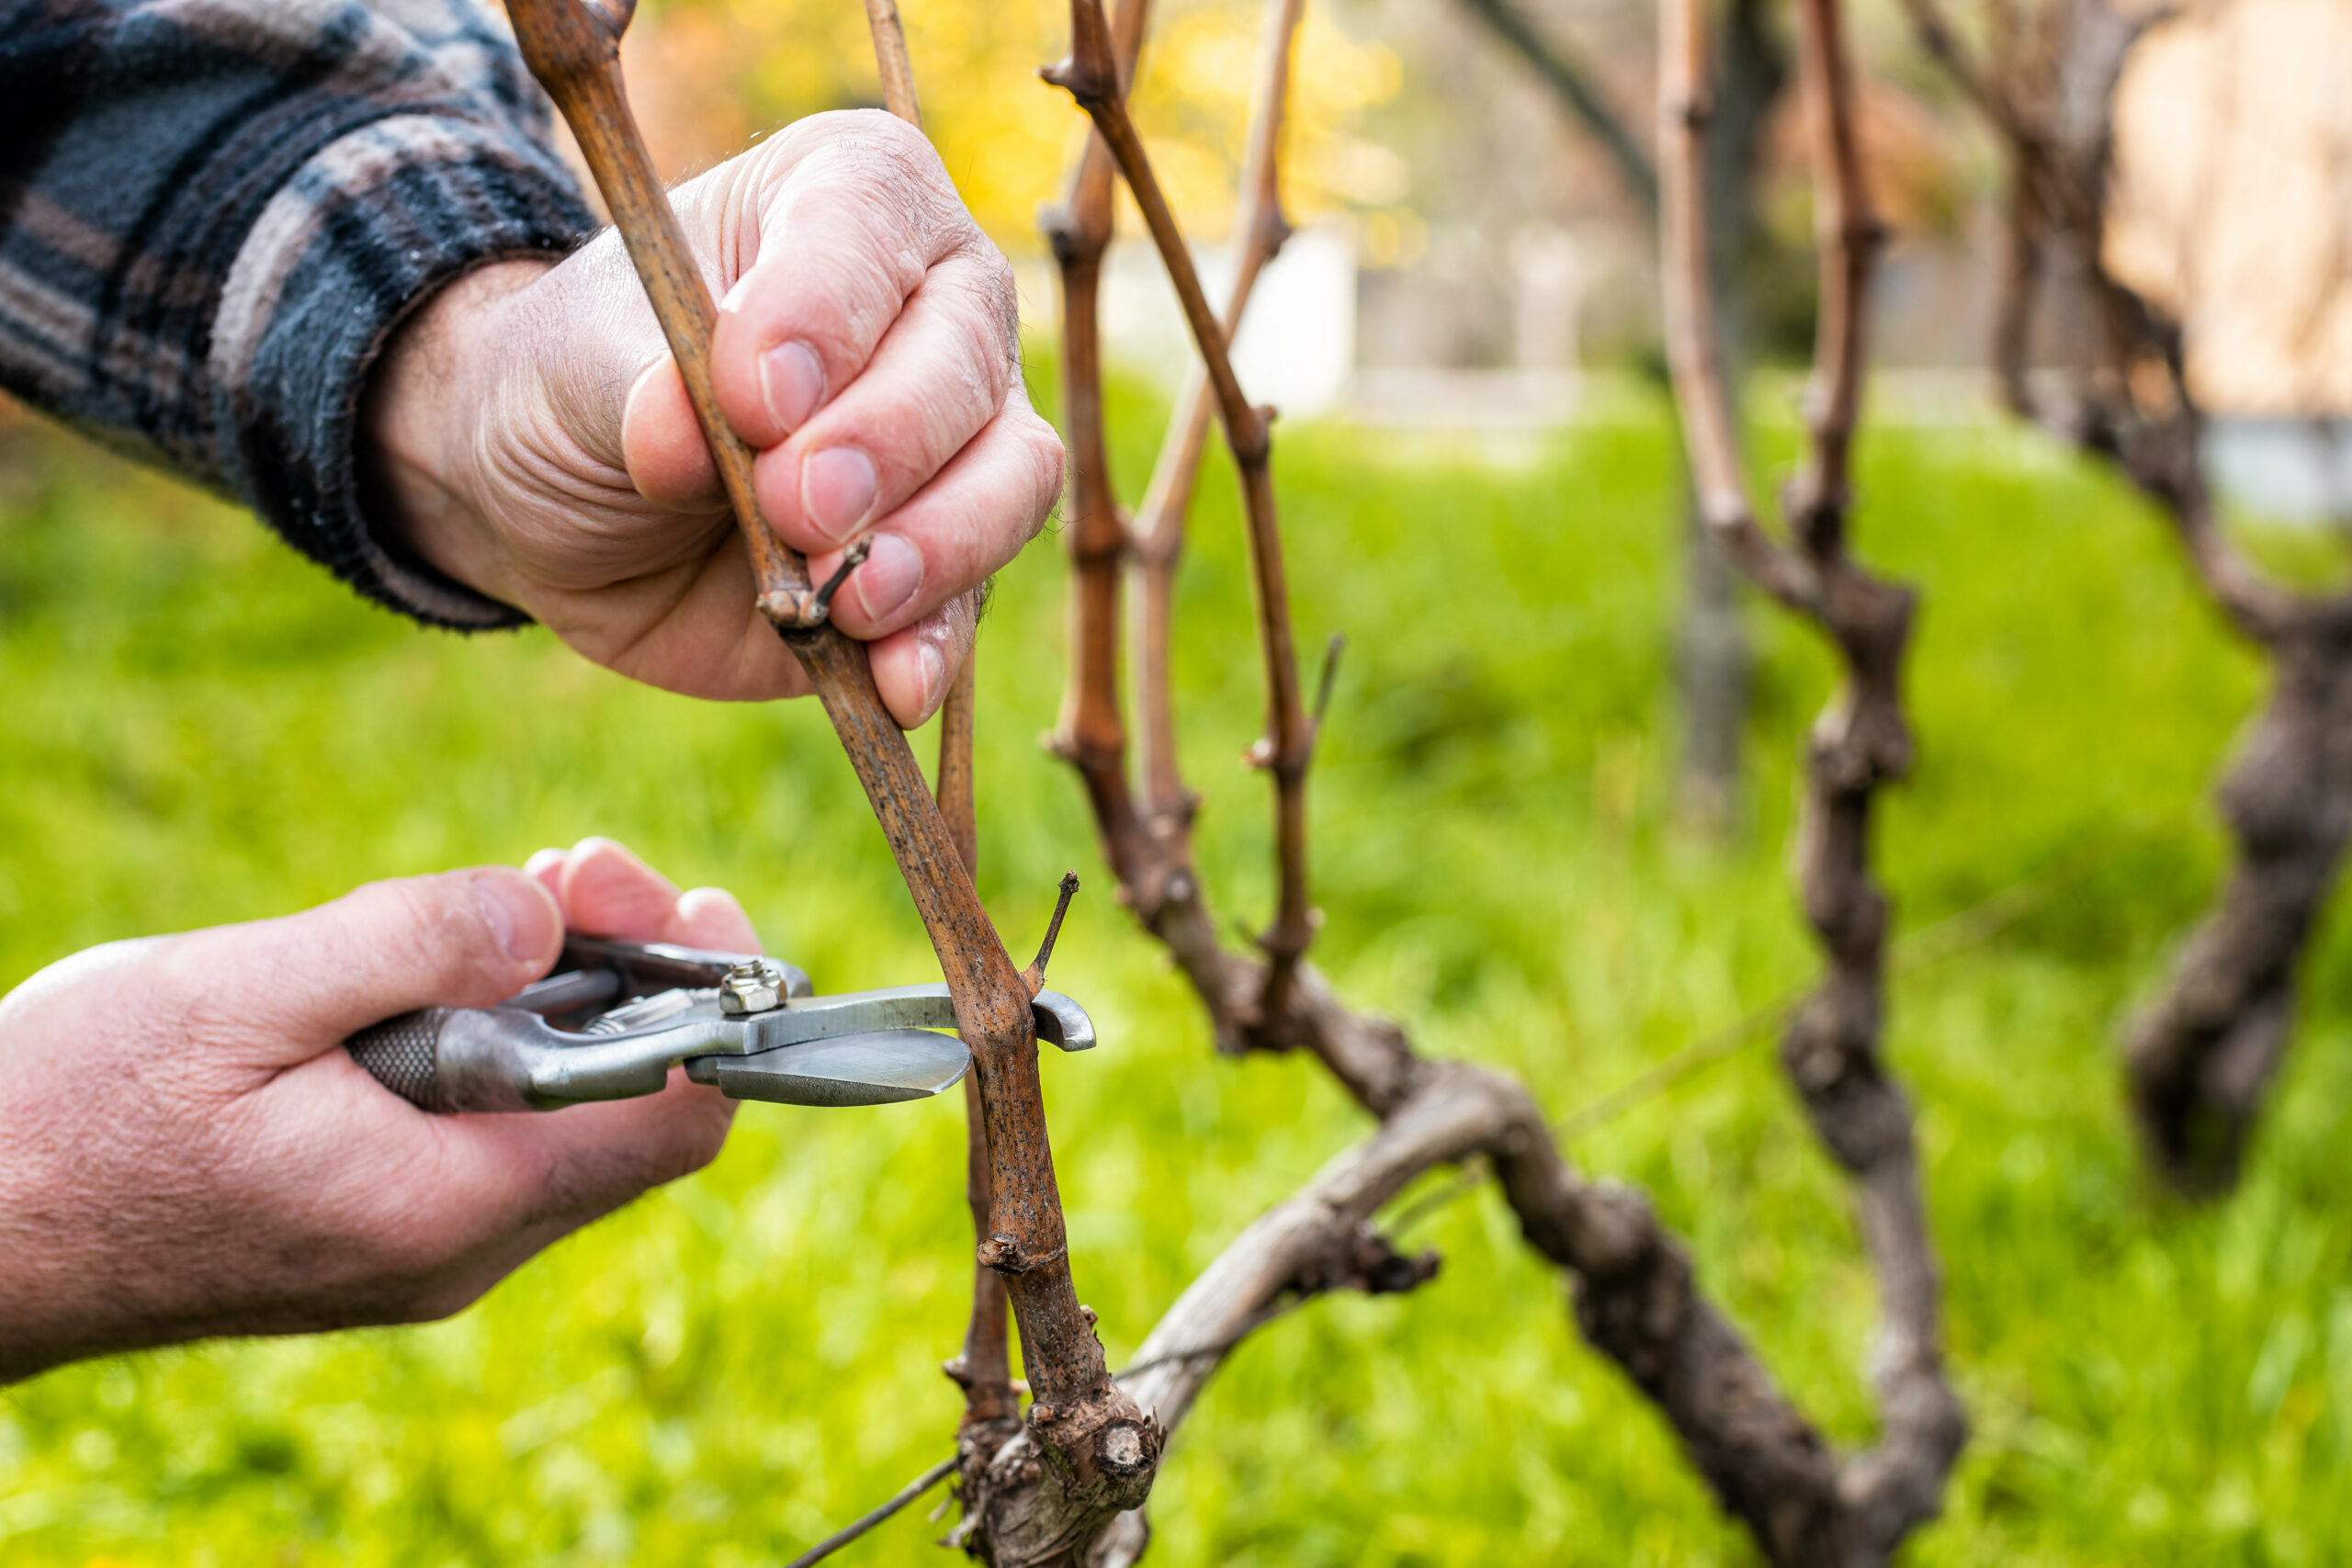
point(214, 214)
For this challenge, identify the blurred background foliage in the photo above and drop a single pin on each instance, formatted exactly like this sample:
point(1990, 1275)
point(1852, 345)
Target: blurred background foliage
point(199, 727)
point(202, 728)
point(706, 74)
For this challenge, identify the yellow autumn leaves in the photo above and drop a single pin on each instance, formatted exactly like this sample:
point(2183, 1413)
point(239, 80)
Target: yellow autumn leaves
point(710, 73)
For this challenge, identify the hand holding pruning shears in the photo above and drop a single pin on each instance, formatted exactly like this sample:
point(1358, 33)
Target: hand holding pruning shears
point(189, 1150)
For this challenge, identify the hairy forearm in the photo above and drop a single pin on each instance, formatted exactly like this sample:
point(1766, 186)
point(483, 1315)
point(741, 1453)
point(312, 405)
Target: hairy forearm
point(186, 1150)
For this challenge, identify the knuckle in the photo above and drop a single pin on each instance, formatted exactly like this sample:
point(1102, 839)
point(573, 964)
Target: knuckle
point(982, 372)
point(197, 999)
point(903, 140)
point(428, 926)
point(102, 968)
point(989, 281)
point(1049, 469)
point(893, 170)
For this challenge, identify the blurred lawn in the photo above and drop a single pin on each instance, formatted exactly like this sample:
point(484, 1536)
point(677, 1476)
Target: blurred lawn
point(199, 727)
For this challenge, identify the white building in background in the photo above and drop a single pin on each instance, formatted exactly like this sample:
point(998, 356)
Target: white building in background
point(1521, 305)
point(1297, 347)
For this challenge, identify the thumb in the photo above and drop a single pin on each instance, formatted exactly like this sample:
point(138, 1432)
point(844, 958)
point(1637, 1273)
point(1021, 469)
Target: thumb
point(292, 987)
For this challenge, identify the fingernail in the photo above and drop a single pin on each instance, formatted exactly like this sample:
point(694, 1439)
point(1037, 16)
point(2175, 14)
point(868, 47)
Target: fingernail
point(541, 859)
point(838, 487)
point(889, 577)
point(519, 912)
point(793, 381)
point(935, 677)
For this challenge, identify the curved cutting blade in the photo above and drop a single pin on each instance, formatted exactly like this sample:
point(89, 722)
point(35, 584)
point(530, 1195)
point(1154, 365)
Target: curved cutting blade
point(874, 1068)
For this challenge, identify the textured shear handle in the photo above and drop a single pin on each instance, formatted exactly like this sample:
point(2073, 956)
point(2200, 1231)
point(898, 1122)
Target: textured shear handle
point(403, 1054)
point(447, 1060)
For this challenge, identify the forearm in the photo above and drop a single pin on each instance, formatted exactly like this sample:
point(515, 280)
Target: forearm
point(39, 1292)
point(186, 1150)
point(79, 1171)
point(224, 212)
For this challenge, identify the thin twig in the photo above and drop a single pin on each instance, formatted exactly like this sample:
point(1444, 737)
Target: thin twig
point(1036, 972)
point(1849, 236)
point(898, 1499)
point(1091, 75)
point(852, 558)
point(1090, 734)
point(1694, 341)
point(984, 1367)
point(1258, 233)
point(890, 59)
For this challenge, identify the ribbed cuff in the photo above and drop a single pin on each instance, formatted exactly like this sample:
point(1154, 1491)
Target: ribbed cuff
point(361, 235)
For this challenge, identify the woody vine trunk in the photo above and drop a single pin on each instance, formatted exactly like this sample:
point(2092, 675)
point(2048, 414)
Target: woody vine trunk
point(1832, 1048)
point(2201, 1057)
point(1099, 1451)
point(1634, 1286)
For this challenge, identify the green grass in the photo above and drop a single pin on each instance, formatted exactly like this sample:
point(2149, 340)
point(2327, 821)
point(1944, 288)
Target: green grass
point(199, 727)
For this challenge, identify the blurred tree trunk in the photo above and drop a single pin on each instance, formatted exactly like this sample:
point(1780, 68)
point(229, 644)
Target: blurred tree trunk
point(2115, 384)
point(1712, 655)
point(1714, 658)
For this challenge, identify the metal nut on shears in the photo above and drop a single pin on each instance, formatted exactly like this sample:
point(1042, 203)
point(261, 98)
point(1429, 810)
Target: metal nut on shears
point(753, 985)
point(747, 1024)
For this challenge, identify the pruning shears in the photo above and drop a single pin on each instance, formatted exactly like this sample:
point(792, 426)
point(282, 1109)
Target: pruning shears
point(614, 1017)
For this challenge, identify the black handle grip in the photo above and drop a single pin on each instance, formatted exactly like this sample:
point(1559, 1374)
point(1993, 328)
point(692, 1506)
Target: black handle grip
point(403, 1054)
point(447, 1060)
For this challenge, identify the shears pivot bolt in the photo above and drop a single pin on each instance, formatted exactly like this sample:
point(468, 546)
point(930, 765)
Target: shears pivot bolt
point(753, 985)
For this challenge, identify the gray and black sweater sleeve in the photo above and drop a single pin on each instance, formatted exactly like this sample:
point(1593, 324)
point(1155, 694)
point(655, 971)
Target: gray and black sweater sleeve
point(214, 213)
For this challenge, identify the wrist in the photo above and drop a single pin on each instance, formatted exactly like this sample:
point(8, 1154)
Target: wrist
point(421, 413)
point(44, 1234)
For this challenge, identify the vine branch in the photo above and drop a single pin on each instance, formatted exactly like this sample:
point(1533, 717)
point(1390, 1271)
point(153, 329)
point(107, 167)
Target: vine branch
point(1862, 1510)
point(1635, 1297)
point(1258, 231)
point(2201, 1057)
point(983, 1369)
point(1091, 734)
point(1091, 74)
point(1105, 1452)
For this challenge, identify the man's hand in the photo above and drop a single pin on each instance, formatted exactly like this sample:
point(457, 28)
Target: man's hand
point(186, 1151)
point(533, 439)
